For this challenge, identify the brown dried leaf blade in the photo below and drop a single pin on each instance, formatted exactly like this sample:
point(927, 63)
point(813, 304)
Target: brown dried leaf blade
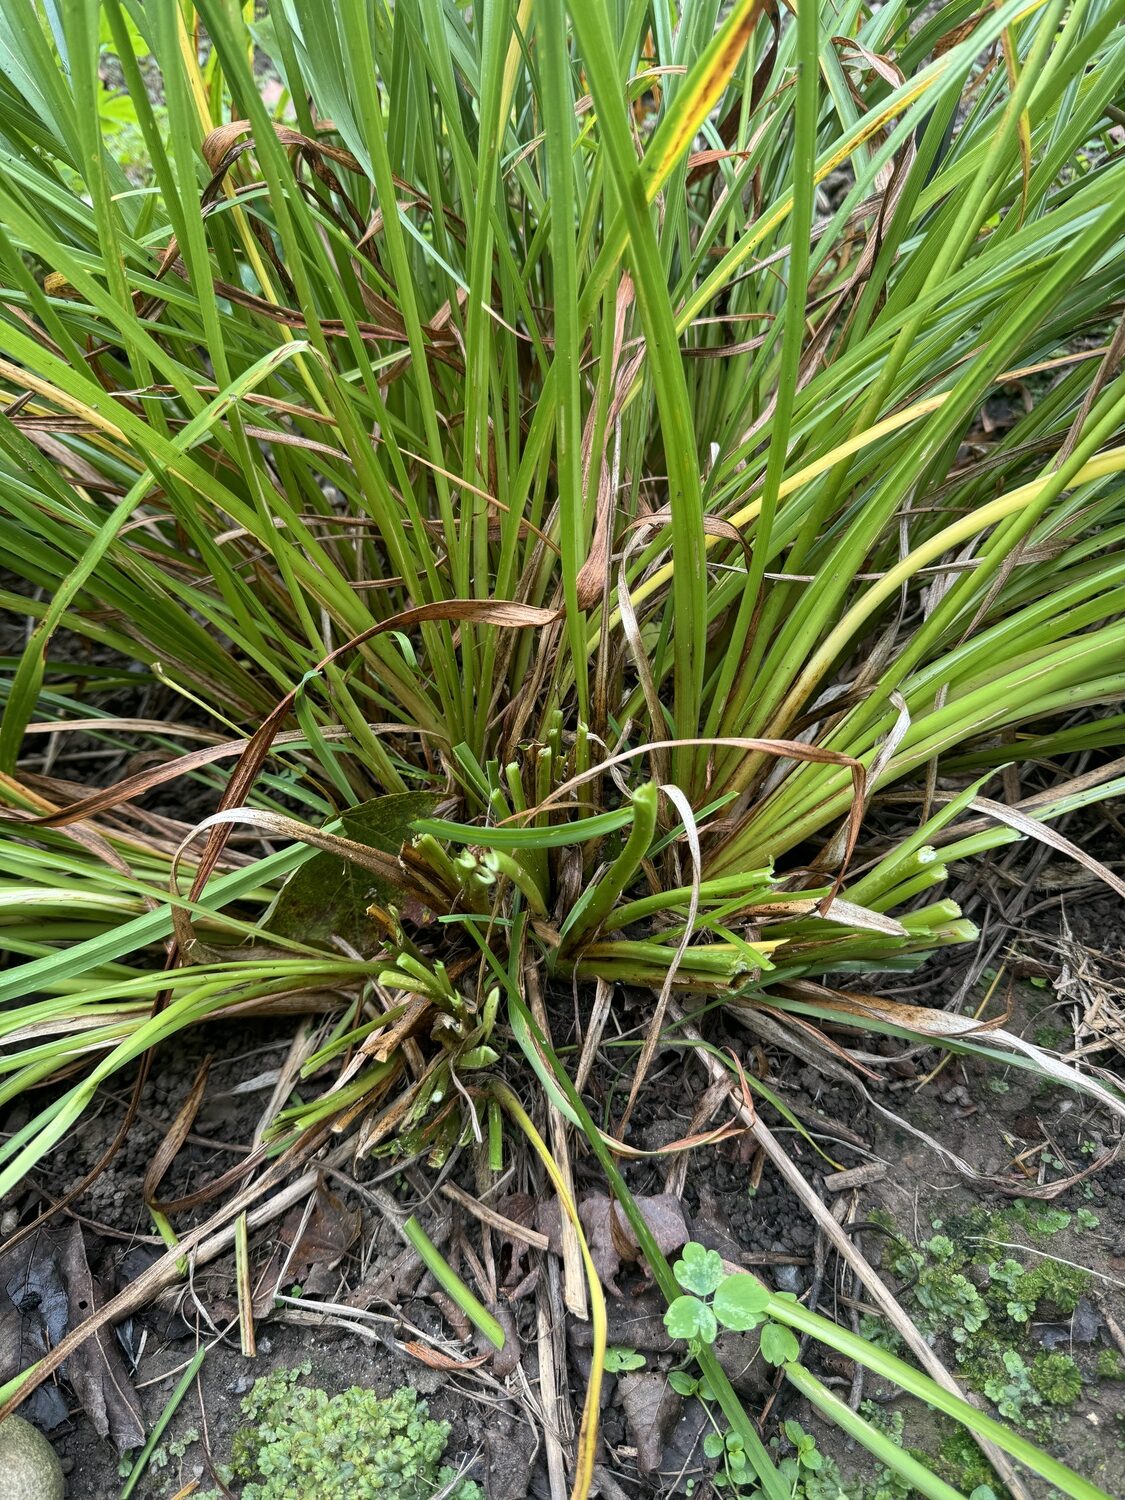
point(96, 1369)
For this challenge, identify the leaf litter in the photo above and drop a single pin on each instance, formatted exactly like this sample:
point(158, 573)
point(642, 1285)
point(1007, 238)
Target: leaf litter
point(46, 1289)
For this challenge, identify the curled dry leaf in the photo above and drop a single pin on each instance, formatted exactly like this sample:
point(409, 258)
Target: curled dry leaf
point(322, 1236)
point(46, 1290)
point(944, 1026)
point(520, 1208)
point(609, 1235)
point(434, 1359)
point(34, 1316)
point(505, 1361)
point(314, 1237)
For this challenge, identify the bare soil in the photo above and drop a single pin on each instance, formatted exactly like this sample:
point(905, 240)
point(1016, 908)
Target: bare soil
point(733, 1204)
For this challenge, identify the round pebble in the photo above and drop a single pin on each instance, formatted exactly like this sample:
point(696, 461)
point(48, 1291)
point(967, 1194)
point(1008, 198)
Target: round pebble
point(29, 1466)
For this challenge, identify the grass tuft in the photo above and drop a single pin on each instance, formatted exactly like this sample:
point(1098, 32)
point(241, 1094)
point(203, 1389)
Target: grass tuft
point(622, 493)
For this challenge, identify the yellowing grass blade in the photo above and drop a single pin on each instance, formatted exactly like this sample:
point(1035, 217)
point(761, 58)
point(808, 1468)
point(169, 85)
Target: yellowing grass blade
point(699, 95)
point(1011, 64)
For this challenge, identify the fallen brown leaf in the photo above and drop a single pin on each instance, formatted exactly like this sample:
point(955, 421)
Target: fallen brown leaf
point(609, 1235)
point(96, 1369)
point(651, 1409)
point(436, 1360)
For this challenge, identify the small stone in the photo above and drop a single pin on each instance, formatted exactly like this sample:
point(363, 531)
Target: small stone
point(788, 1278)
point(29, 1466)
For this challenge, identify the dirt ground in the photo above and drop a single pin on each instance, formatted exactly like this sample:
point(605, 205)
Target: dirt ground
point(985, 1114)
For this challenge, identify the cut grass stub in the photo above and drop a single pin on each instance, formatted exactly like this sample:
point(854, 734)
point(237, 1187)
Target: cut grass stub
point(616, 495)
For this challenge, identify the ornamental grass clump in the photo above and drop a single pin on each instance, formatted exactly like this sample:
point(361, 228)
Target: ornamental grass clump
point(646, 495)
point(593, 494)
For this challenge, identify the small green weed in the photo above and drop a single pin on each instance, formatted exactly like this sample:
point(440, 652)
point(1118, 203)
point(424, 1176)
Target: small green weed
point(712, 1298)
point(302, 1444)
point(961, 1463)
point(1011, 1389)
point(814, 1475)
point(162, 1455)
point(1052, 1284)
point(950, 1301)
point(960, 1289)
point(618, 1360)
point(959, 1284)
point(1056, 1379)
point(1019, 1389)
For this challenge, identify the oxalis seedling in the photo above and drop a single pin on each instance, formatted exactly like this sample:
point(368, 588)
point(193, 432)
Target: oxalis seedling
point(713, 1299)
point(620, 1361)
point(797, 1471)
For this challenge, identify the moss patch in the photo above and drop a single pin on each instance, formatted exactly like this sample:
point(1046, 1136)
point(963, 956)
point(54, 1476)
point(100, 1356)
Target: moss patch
point(302, 1444)
point(982, 1280)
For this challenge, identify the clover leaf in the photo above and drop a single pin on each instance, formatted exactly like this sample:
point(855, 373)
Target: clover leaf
point(700, 1270)
point(740, 1302)
point(808, 1455)
point(688, 1318)
point(617, 1360)
point(778, 1344)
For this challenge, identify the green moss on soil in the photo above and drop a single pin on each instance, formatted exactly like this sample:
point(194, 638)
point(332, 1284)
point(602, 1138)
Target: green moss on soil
point(300, 1443)
point(982, 1281)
